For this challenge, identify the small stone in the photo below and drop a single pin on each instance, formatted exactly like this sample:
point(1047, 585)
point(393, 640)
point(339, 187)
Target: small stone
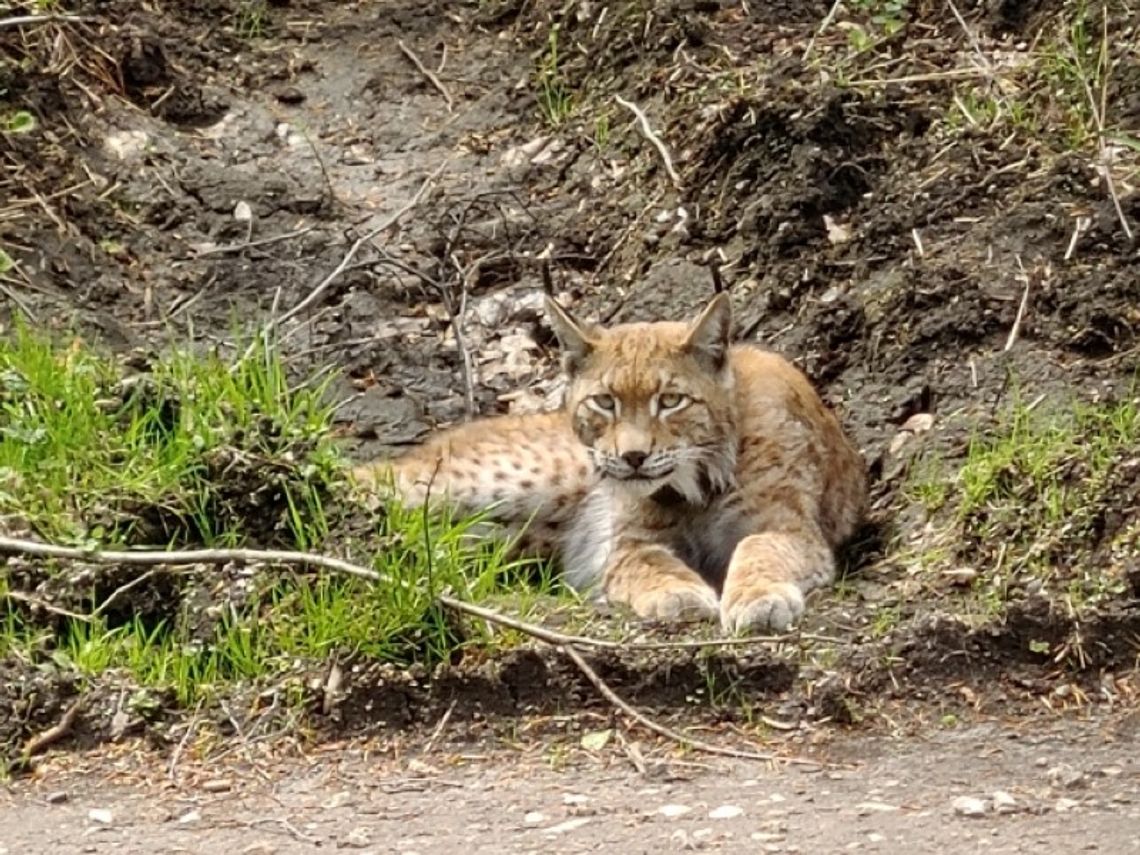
point(1066, 777)
point(568, 825)
point(726, 812)
point(919, 423)
point(1004, 802)
point(961, 575)
point(100, 815)
point(339, 799)
point(673, 811)
point(358, 838)
point(57, 798)
point(189, 817)
point(290, 95)
point(970, 806)
point(865, 808)
point(217, 785)
point(574, 798)
point(1065, 805)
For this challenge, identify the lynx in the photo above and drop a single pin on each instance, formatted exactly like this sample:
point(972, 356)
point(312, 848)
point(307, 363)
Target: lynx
point(684, 477)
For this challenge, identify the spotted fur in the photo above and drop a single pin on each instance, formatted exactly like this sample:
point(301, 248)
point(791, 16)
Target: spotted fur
point(684, 477)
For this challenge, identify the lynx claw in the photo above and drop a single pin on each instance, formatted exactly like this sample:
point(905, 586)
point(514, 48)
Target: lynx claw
point(775, 607)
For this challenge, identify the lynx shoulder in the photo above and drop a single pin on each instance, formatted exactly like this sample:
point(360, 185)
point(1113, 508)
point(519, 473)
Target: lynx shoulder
point(684, 477)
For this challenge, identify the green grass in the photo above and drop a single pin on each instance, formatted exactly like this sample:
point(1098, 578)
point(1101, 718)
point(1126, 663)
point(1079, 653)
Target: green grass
point(555, 99)
point(251, 17)
point(1031, 498)
point(221, 452)
point(83, 446)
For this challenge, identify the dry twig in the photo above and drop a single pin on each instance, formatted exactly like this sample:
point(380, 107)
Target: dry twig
point(251, 244)
point(28, 20)
point(649, 724)
point(322, 286)
point(647, 131)
point(824, 24)
point(427, 73)
point(54, 733)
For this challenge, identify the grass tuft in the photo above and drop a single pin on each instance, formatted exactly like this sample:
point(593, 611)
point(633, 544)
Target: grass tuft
point(203, 450)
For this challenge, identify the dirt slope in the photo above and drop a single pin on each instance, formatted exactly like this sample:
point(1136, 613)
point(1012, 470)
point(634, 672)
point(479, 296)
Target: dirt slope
point(195, 179)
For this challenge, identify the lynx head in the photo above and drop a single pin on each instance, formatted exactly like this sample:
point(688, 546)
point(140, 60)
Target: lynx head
point(653, 401)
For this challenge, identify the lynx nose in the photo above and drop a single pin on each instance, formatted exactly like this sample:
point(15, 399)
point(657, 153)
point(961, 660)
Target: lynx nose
point(634, 458)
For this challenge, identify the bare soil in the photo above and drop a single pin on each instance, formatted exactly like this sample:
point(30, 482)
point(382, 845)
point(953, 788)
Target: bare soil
point(160, 124)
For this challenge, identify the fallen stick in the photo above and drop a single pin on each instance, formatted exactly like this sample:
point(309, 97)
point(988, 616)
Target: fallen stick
point(649, 134)
point(27, 20)
point(322, 286)
point(565, 643)
point(54, 733)
point(707, 747)
point(427, 73)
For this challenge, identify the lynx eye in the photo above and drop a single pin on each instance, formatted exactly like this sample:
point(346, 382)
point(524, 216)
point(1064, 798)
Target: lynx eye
point(602, 403)
point(671, 400)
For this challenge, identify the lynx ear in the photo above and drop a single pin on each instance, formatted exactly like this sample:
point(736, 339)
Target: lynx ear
point(576, 342)
point(711, 334)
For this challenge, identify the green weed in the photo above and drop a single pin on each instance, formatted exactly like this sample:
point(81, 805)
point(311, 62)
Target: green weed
point(87, 452)
point(1031, 497)
point(251, 19)
point(555, 100)
point(223, 451)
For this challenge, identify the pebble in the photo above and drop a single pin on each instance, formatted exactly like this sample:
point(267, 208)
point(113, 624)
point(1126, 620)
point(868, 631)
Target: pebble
point(673, 811)
point(568, 825)
point(1004, 802)
point(726, 812)
point(1066, 776)
point(100, 815)
point(189, 817)
point(358, 838)
point(970, 806)
point(534, 817)
point(1065, 805)
point(57, 798)
point(865, 808)
point(217, 785)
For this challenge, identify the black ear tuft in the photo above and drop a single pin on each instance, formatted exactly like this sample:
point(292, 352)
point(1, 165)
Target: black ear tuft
point(576, 344)
point(711, 334)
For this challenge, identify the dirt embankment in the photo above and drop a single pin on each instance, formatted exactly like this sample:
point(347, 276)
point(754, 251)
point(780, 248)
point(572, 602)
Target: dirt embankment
point(894, 199)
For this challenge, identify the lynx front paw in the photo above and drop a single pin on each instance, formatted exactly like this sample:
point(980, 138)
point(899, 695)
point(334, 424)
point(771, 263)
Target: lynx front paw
point(773, 606)
point(675, 600)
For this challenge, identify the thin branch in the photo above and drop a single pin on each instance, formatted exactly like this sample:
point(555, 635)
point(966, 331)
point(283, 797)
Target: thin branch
point(649, 134)
point(427, 73)
point(54, 733)
point(824, 24)
point(250, 244)
point(322, 286)
point(1015, 330)
point(1105, 158)
point(15, 546)
point(456, 316)
point(566, 643)
point(27, 20)
point(707, 747)
point(35, 602)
